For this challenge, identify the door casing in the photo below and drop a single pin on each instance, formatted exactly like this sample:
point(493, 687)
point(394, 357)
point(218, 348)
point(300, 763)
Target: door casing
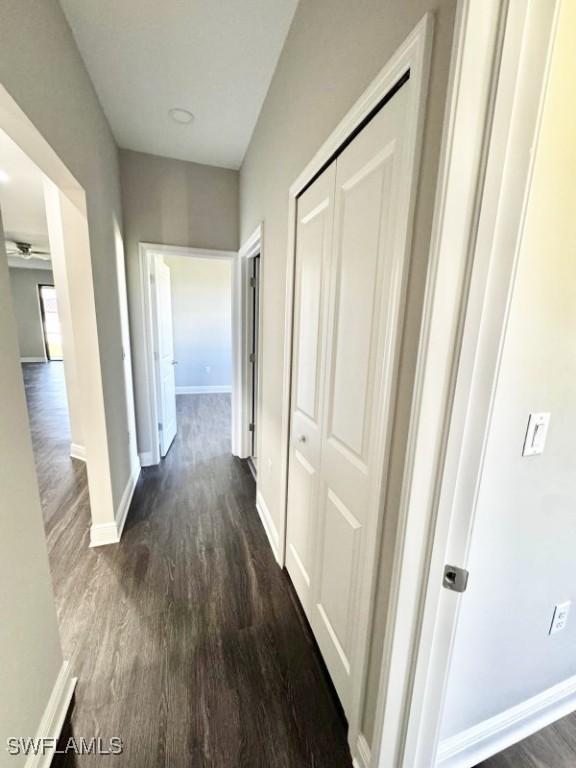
point(253, 246)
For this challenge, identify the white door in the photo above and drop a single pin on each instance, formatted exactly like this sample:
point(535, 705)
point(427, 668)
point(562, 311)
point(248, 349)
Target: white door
point(313, 252)
point(165, 377)
point(345, 370)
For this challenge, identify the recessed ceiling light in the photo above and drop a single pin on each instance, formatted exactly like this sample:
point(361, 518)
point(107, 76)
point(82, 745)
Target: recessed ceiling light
point(4, 178)
point(182, 116)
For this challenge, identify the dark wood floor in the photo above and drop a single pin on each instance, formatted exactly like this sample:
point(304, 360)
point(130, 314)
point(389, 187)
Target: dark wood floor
point(185, 636)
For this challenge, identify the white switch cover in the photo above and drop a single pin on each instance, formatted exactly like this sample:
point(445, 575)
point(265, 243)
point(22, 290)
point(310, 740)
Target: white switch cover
point(560, 617)
point(536, 434)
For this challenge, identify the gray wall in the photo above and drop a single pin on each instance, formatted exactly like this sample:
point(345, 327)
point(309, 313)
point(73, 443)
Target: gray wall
point(24, 289)
point(522, 559)
point(42, 69)
point(202, 318)
point(29, 644)
point(174, 203)
point(333, 51)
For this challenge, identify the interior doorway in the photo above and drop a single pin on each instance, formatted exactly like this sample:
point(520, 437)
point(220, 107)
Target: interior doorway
point(46, 222)
point(248, 314)
point(189, 339)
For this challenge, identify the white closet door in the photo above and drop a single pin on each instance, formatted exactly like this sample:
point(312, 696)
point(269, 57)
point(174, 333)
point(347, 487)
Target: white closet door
point(364, 279)
point(313, 251)
point(341, 387)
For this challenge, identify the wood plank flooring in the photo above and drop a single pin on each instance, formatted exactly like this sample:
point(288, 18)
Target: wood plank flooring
point(185, 636)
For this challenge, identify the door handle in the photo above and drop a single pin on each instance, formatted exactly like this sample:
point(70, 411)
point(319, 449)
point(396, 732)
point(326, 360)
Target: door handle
point(174, 362)
point(302, 439)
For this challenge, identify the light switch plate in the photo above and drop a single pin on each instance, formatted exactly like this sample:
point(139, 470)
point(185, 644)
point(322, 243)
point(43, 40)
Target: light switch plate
point(536, 432)
point(560, 617)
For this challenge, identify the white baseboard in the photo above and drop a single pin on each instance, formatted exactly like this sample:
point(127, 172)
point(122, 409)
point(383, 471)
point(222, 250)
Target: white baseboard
point(491, 736)
point(77, 451)
point(102, 534)
point(111, 533)
point(54, 715)
point(268, 523)
point(147, 459)
point(253, 468)
point(125, 501)
point(33, 360)
point(216, 389)
point(361, 755)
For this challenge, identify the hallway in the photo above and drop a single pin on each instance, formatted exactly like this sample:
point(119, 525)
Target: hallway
point(185, 637)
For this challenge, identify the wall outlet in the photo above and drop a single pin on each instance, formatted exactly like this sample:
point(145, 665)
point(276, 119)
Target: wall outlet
point(560, 617)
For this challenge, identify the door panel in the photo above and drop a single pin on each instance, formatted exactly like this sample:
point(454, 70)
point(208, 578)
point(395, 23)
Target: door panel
point(338, 557)
point(368, 182)
point(313, 248)
point(356, 294)
point(165, 353)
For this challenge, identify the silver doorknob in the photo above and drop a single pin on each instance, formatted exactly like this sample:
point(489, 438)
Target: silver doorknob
point(174, 362)
point(302, 439)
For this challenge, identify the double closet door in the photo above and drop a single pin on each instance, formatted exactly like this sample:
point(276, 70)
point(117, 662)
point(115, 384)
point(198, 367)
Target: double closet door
point(348, 286)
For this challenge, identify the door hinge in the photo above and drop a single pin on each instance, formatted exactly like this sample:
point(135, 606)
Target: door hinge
point(251, 427)
point(160, 427)
point(455, 579)
point(253, 282)
point(252, 357)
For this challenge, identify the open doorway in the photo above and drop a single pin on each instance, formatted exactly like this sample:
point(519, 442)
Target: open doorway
point(188, 325)
point(45, 338)
point(248, 349)
point(55, 228)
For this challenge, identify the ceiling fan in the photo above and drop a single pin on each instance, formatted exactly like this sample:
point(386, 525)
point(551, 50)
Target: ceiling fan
point(25, 251)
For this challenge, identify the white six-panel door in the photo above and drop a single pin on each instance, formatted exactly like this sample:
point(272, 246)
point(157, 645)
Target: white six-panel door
point(165, 355)
point(348, 274)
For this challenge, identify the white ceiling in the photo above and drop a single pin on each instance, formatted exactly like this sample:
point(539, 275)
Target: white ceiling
point(22, 197)
point(213, 57)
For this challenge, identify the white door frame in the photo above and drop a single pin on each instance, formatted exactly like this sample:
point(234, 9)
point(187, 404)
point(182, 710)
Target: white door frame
point(146, 251)
point(413, 56)
point(252, 247)
point(499, 74)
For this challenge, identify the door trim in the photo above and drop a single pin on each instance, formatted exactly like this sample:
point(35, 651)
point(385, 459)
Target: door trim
point(413, 56)
point(252, 246)
point(145, 253)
